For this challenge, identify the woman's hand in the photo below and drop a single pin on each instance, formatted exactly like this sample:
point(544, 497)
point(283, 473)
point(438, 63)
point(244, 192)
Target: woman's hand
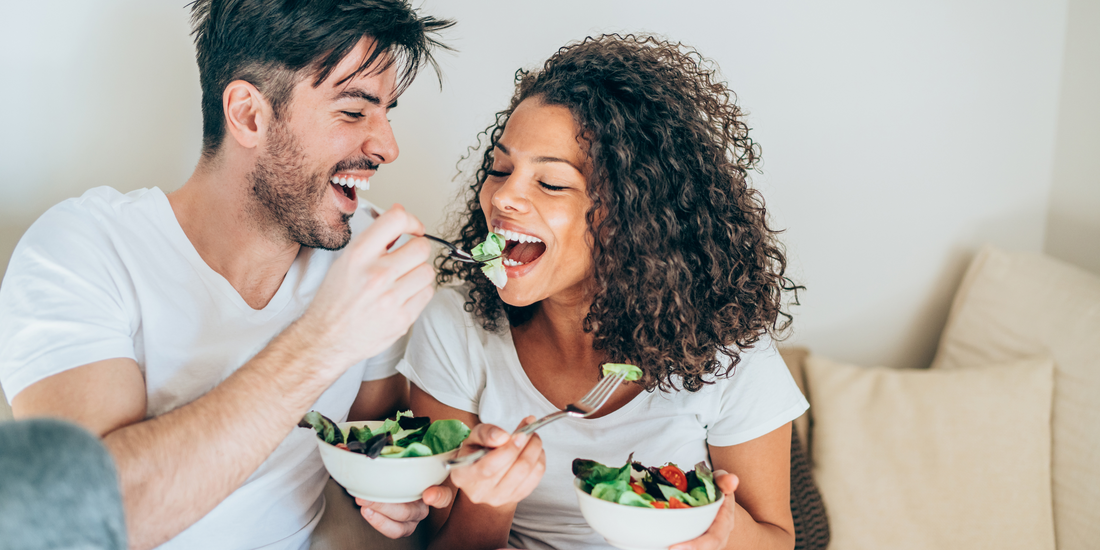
point(400, 520)
point(508, 473)
point(719, 533)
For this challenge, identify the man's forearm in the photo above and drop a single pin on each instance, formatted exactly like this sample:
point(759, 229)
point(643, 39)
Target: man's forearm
point(175, 468)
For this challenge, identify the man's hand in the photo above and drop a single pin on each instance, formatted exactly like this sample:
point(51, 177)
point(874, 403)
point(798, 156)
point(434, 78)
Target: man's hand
point(400, 520)
point(506, 475)
point(719, 532)
point(370, 296)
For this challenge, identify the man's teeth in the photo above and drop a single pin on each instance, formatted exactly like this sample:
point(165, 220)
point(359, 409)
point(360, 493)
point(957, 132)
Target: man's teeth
point(518, 237)
point(346, 181)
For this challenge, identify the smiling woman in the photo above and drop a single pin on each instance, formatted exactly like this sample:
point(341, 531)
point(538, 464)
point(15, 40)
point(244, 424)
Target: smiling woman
point(617, 178)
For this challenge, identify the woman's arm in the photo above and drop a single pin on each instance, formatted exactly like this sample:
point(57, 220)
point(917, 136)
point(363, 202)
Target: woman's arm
point(760, 515)
point(488, 490)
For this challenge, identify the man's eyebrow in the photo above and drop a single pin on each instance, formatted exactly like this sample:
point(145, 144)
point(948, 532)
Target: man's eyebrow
point(543, 160)
point(356, 93)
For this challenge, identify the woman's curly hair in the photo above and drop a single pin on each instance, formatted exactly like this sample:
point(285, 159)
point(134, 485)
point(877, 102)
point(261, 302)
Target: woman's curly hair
point(686, 267)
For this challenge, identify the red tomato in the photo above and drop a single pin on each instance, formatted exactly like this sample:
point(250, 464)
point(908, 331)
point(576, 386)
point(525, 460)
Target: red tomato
point(673, 502)
point(675, 477)
point(659, 504)
point(342, 446)
point(637, 488)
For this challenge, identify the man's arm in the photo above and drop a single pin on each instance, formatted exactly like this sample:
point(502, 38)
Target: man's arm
point(175, 468)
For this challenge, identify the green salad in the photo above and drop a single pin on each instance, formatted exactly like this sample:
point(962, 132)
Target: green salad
point(647, 487)
point(490, 252)
point(402, 436)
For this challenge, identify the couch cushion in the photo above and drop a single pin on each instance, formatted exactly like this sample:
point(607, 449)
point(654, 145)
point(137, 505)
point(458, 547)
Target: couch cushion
point(925, 460)
point(1013, 305)
point(5, 408)
point(795, 357)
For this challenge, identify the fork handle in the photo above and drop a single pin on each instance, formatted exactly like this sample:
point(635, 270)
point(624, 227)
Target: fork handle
point(526, 430)
point(530, 428)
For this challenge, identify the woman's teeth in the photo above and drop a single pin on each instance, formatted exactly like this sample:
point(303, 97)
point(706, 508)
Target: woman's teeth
point(518, 237)
point(510, 262)
point(346, 181)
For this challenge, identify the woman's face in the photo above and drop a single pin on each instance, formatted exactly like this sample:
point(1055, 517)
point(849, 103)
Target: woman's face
point(536, 197)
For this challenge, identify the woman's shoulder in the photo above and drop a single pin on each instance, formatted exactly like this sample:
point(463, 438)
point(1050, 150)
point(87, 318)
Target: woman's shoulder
point(449, 304)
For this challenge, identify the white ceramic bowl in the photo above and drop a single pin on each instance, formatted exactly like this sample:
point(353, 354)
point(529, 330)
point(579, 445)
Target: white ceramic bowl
point(382, 479)
point(636, 528)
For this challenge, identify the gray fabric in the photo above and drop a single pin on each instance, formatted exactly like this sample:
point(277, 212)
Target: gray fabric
point(58, 489)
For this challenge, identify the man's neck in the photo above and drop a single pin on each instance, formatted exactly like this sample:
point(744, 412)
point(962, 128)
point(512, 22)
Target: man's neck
point(212, 208)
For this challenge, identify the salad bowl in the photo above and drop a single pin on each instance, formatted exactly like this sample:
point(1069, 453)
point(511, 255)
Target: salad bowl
point(382, 479)
point(635, 528)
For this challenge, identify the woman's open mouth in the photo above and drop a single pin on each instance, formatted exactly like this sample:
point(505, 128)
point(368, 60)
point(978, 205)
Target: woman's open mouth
point(520, 249)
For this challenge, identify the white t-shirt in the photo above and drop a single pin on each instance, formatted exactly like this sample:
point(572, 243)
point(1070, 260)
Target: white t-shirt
point(456, 361)
point(110, 275)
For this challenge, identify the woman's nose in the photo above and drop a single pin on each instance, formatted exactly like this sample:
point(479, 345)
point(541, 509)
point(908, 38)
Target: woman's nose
point(510, 196)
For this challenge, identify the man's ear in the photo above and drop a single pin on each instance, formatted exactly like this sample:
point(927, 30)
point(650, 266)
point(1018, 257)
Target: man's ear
point(247, 114)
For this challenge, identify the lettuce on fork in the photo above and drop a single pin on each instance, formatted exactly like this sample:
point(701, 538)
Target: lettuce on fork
point(490, 252)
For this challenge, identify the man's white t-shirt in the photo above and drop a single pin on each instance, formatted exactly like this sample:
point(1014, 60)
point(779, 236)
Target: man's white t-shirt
point(452, 358)
point(111, 275)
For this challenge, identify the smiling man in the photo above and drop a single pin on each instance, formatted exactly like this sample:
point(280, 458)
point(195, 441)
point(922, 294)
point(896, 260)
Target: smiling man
point(191, 331)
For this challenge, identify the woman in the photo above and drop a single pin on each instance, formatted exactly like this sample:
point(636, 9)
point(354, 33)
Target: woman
point(618, 177)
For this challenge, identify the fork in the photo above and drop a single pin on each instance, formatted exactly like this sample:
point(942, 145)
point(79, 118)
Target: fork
point(452, 249)
point(587, 406)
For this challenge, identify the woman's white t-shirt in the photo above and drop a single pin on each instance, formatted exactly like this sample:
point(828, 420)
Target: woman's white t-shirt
point(452, 358)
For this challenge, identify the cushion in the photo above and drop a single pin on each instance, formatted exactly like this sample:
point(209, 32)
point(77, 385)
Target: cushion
point(794, 357)
point(929, 460)
point(5, 408)
point(1013, 305)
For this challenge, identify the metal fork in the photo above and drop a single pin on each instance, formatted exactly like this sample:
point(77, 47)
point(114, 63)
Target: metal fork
point(587, 406)
point(452, 249)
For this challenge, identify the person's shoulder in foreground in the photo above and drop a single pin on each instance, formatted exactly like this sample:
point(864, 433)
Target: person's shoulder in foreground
point(169, 325)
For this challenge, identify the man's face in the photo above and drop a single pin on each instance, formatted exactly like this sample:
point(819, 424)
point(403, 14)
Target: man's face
point(329, 140)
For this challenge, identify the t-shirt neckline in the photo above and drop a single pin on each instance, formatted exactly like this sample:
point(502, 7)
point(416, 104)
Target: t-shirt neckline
point(214, 279)
point(516, 367)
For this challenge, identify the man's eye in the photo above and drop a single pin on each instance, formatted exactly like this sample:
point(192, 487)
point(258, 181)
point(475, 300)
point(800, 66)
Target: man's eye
point(549, 187)
point(497, 174)
point(353, 114)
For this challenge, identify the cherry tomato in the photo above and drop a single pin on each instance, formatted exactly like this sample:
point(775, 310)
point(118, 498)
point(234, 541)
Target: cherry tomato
point(675, 477)
point(637, 488)
point(673, 502)
point(342, 446)
point(659, 504)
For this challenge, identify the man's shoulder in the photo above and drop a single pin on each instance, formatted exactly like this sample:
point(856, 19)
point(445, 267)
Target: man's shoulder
point(99, 206)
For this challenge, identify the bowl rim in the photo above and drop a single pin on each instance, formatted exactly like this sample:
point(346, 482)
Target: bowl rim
point(358, 423)
point(577, 486)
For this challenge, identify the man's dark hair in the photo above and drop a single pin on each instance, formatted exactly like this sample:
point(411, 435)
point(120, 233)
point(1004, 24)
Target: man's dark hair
point(271, 43)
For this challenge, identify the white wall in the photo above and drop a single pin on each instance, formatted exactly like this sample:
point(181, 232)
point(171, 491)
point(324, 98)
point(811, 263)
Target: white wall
point(1073, 224)
point(897, 138)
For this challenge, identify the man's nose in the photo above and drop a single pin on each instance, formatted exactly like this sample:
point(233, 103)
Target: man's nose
point(379, 144)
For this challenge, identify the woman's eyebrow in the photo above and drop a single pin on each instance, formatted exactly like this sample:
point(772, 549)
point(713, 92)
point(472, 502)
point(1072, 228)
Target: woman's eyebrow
point(543, 159)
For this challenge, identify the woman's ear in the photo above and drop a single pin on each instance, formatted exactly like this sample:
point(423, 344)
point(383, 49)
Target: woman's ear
point(247, 113)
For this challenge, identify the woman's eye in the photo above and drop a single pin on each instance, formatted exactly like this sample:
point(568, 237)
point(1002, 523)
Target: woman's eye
point(497, 174)
point(353, 114)
point(549, 187)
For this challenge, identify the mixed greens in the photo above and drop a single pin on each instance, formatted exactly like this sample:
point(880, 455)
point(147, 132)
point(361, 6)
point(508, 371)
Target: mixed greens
point(647, 487)
point(403, 436)
point(490, 252)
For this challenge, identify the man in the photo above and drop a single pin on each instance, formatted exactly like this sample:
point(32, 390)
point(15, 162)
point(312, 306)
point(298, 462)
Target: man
point(192, 331)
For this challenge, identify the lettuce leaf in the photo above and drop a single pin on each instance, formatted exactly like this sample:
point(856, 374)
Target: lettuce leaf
point(445, 435)
point(489, 252)
point(326, 429)
point(707, 478)
point(632, 372)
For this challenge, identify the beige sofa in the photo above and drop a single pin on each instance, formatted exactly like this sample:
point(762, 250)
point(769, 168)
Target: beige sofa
point(996, 445)
point(1022, 338)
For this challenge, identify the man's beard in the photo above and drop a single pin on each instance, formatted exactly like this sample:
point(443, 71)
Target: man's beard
point(289, 197)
